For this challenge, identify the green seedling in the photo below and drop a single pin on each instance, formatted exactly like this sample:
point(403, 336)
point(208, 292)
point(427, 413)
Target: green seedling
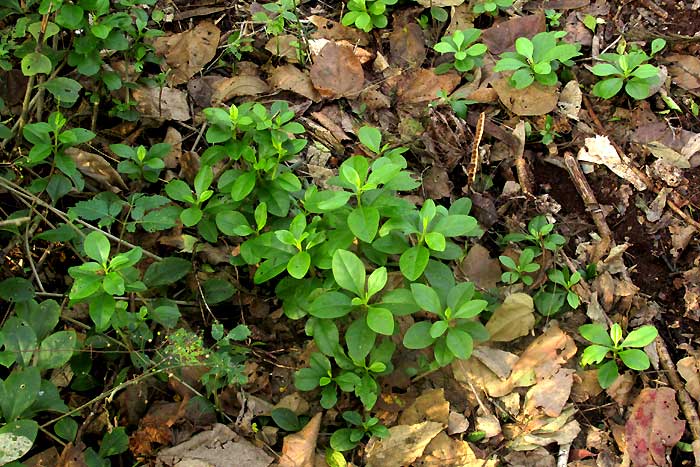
point(453, 334)
point(492, 6)
point(553, 18)
point(611, 347)
point(540, 233)
point(630, 70)
point(347, 439)
point(367, 14)
point(179, 190)
point(140, 163)
point(537, 59)
point(563, 278)
point(467, 54)
point(521, 270)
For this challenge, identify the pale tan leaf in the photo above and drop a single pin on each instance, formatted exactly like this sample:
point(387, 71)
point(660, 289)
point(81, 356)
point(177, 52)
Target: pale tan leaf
point(337, 72)
point(290, 78)
point(431, 405)
point(599, 150)
point(236, 86)
point(689, 369)
point(298, 448)
point(162, 103)
point(551, 394)
point(404, 445)
point(187, 52)
point(513, 319)
point(444, 451)
point(535, 99)
point(97, 168)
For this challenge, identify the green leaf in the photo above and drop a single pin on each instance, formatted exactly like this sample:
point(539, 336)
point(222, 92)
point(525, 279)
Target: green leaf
point(243, 185)
point(16, 439)
point(16, 289)
point(66, 428)
point(349, 272)
point(524, 47)
point(364, 223)
point(594, 354)
point(20, 390)
point(167, 271)
point(97, 247)
point(299, 264)
point(657, 44)
point(340, 440)
point(634, 359)
point(359, 339)
point(637, 88)
point(114, 442)
point(607, 88)
point(380, 320)
point(438, 328)
point(306, 379)
point(179, 191)
point(607, 374)
point(56, 350)
point(286, 419)
point(426, 298)
point(376, 281)
point(326, 335)
point(101, 310)
point(191, 216)
point(460, 343)
point(371, 137)
point(596, 333)
point(217, 291)
point(508, 64)
point(641, 337)
point(330, 305)
point(435, 241)
point(233, 223)
point(605, 69)
point(413, 262)
point(418, 336)
point(35, 63)
point(65, 90)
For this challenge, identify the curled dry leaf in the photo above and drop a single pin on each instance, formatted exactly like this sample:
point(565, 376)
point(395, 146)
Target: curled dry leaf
point(403, 446)
point(543, 357)
point(599, 150)
point(235, 86)
point(653, 426)
point(444, 451)
point(551, 394)
point(298, 448)
point(187, 52)
point(290, 78)
point(514, 318)
point(691, 279)
point(97, 168)
point(542, 431)
point(570, 100)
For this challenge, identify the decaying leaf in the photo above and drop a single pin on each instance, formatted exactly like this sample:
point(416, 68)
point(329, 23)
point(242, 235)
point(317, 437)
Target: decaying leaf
point(479, 268)
point(543, 431)
point(407, 46)
point(514, 318)
point(422, 85)
point(543, 357)
point(290, 78)
point(444, 451)
point(501, 37)
point(236, 86)
point(570, 100)
point(689, 369)
point(599, 150)
point(335, 31)
point(97, 168)
point(653, 426)
point(551, 394)
point(404, 445)
point(431, 405)
point(691, 279)
point(535, 99)
point(187, 52)
point(162, 103)
point(337, 72)
point(298, 448)
point(685, 71)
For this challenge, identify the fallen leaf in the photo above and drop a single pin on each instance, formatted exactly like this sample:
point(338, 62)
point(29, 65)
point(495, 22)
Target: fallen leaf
point(407, 46)
point(653, 426)
point(550, 394)
point(187, 52)
point(436, 182)
point(539, 457)
point(621, 389)
point(543, 357)
point(444, 451)
point(457, 423)
point(514, 318)
point(298, 448)
point(404, 445)
point(689, 369)
point(543, 431)
point(496, 360)
point(97, 168)
point(501, 37)
point(570, 100)
point(337, 72)
point(422, 85)
point(431, 405)
point(535, 99)
point(478, 267)
point(162, 103)
point(599, 150)
point(685, 71)
point(439, 3)
point(681, 235)
point(72, 456)
point(290, 78)
point(668, 155)
point(284, 46)
point(691, 279)
point(236, 86)
point(335, 31)
point(174, 139)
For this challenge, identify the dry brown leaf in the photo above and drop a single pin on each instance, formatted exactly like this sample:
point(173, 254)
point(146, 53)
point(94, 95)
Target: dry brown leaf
point(543, 357)
point(404, 445)
point(691, 278)
point(431, 405)
point(444, 451)
point(585, 386)
point(474, 372)
point(97, 168)
point(621, 389)
point(599, 150)
point(514, 318)
point(550, 395)
point(496, 360)
point(653, 427)
point(542, 431)
point(298, 448)
point(187, 52)
point(478, 267)
point(539, 457)
point(407, 46)
point(235, 86)
point(681, 234)
point(422, 85)
point(457, 423)
point(337, 72)
point(285, 46)
point(501, 37)
point(162, 103)
point(689, 369)
point(174, 139)
point(684, 71)
point(335, 31)
point(533, 100)
point(436, 182)
point(72, 456)
point(290, 78)
point(570, 100)
point(439, 3)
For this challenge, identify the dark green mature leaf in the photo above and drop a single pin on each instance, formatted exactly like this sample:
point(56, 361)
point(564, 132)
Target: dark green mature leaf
point(167, 271)
point(413, 262)
point(331, 305)
point(19, 391)
point(380, 320)
point(607, 374)
point(360, 340)
point(16, 289)
point(105, 206)
point(286, 419)
point(418, 336)
point(65, 90)
point(56, 349)
point(364, 223)
point(349, 272)
point(114, 442)
point(217, 291)
point(16, 439)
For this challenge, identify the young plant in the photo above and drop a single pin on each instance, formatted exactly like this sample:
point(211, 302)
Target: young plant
point(140, 163)
point(547, 133)
point(630, 70)
point(98, 281)
point(467, 54)
point(179, 190)
point(539, 233)
point(492, 6)
point(367, 14)
point(553, 18)
point(563, 278)
point(611, 346)
point(458, 106)
point(453, 334)
point(537, 59)
point(346, 439)
point(520, 271)
point(282, 15)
